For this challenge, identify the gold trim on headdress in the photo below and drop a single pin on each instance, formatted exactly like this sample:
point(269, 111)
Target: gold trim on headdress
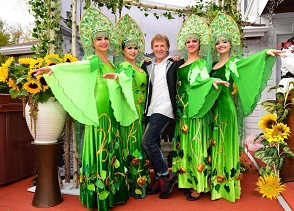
point(127, 30)
point(225, 25)
point(93, 22)
point(193, 25)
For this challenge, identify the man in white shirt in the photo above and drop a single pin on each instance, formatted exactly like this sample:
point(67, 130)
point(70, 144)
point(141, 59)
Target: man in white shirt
point(160, 110)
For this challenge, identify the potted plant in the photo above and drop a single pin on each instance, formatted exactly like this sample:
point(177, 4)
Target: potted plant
point(34, 91)
point(275, 133)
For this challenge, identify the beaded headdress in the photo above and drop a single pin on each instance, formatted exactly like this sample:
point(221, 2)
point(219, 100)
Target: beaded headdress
point(194, 27)
point(224, 27)
point(94, 24)
point(127, 32)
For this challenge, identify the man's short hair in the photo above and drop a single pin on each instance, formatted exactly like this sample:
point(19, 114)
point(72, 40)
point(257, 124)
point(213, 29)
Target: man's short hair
point(160, 37)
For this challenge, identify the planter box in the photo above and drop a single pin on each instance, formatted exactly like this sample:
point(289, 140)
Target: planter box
point(16, 152)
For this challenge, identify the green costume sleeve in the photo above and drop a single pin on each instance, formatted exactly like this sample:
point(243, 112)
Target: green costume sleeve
point(69, 83)
point(121, 96)
point(202, 97)
point(202, 93)
point(253, 74)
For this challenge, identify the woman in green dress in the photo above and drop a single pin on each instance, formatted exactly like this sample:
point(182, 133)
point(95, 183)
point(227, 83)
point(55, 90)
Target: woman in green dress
point(84, 94)
point(131, 80)
point(196, 94)
point(249, 76)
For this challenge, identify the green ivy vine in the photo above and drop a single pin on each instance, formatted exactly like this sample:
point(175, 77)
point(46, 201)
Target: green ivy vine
point(47, 28)
point(47, 15)
point(201, 8)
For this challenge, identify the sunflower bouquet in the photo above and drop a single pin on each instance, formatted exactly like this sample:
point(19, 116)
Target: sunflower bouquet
point(275, 149)
point(18, 75)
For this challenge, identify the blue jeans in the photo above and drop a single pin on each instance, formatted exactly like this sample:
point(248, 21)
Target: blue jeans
point(151, 143)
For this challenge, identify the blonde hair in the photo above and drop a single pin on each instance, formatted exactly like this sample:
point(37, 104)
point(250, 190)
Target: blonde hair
point(160, 37)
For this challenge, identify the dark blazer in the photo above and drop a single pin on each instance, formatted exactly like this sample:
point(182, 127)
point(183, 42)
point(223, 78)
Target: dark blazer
point(171, 77)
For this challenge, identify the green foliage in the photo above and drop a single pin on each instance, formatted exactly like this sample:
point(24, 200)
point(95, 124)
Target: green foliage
point(206, 10)
point(280, 106)
point(47, 26)
point(4, 36)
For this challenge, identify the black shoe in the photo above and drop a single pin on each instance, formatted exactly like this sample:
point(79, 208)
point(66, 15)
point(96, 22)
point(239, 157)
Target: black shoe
point(168, 186)
point(192, 198)
point(155, 189)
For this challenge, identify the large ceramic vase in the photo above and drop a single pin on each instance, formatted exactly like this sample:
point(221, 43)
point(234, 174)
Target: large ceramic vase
point(50, 121)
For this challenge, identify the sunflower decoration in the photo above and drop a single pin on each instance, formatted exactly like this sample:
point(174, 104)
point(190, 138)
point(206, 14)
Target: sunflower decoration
point(52, 59)
point(36, 63)
point(32, 87)
point(277, 133)
point(25, 61)
point(267, 121)
point(43, 83)
point(4, 69)
point(270, 186)
point(18, 76)
point(69, 58)
point(275, 149)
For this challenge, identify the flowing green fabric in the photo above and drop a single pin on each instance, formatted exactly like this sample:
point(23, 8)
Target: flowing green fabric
point(250, 85)
point(132, 82)
point(82, 91)
point(69, 89)
point(122, 98)
point(191, 157)
point(250, 76)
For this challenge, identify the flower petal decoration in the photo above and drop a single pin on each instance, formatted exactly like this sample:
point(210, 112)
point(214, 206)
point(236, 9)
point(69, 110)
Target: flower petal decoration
point(270, 186)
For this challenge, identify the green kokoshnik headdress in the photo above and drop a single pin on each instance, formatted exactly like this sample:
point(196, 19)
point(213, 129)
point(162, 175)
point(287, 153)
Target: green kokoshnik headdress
point(224, 27)
point(128, 32)
point(194, 27)
point(94, 24)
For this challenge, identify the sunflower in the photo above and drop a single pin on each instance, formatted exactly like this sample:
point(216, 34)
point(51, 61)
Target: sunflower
point(69, 58)
point(10, 83)
point(52, 59)
point(269, 186)
point(235, 89)
point(36, 63)
point(3, 74)
point(15, 88)
point(42, 81)
point(8, 62)
point(267, 121)
point(278, 133)
point(32, 86)
point(25, 61)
